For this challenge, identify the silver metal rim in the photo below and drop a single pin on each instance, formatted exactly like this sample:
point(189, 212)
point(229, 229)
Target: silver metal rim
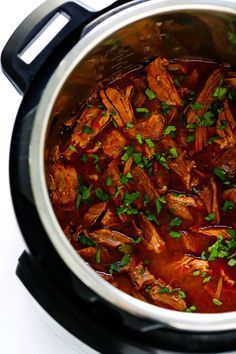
point(174, 319)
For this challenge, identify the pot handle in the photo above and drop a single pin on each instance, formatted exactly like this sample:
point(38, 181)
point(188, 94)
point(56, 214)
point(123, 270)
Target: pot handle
point(21, 72)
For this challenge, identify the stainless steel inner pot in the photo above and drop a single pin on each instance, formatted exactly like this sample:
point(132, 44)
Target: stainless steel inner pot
point(188, 29)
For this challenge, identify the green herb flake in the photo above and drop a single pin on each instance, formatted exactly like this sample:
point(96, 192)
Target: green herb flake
point(191, 126)
point(196, 273)
point(137, 156)
point(175, 234)
point(113, 112)
point(72, 148)
point(216, 302)
point(89, 105)
point(212, 139)
point(232, 37)
point(124, 260)
point(137, 240)
point(175, 222)
point(126, 248)
point(87, 130)
point(98, 255)
point(146, 200)
point(181, 294)
point(219, 173)
point(164, 290)
point(232, 262)
point(161, 159)
point(100, 194)
point(150, 94)
point(228, 205)
point(173, 152)
point(139, 138)
point(210, 217)
point(150, 216)
point(142, 110)
point(158, 206)
point(130, 197)
point(95, 157)
point(114, 268)
point(129, 125)
point(220, 93)
point(206, 280)
point(169, 130)
point(84, 158)
point(192, 308)
point(165, 108)
point(108, 181)
point(196, 106)
point(149, 142)
point(128, 152)
point(190, 138)
point(86, 241)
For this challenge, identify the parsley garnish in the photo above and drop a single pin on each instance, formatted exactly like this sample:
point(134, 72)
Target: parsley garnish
point(150, 94)
point(129, 125)
point(98, 255)
point(149, 142)
point(220, 93)
point(142, 110)
point(86, 241)
point(191, 309)
point(130, 197)
point(216, 302)
point(190, 138)
point(175, 234)
point(173, 152)
point(165, 108)
point(175, 222)
point(139, 138)
point(219, 173)
point(100, 194)
point(108, 181)
point(196, 106)
point(228, 205)
point(210, 217)
point(72, 148)
point(87, 130)
point(169, 130)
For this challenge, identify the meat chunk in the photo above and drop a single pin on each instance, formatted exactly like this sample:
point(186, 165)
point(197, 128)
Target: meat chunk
point(149, 128)
point(180, 204)
point(110, 219)
point(227, 161)
point(118, 105)
point(110, 238)
point(230, 194)
point(112, 143)
point(204, 99)
point(213, 231)
point(114, 173)
point(93, 213)
point(226, 127)
point(63, 184)
point(209, 196)
point(161, 82)
point(88, 125)
point(152, 239)
point(143, 183)
point(182, 165)
point(161, 293)
point(187, 265)
point(140, 276)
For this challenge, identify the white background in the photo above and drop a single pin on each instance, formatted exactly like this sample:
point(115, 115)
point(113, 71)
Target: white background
point(22, 330)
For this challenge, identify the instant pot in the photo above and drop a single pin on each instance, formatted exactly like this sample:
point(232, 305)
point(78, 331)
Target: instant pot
point(92, 48)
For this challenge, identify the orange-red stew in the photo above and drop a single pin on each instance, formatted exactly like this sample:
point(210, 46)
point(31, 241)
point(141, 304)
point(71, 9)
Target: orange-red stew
point(142, 181)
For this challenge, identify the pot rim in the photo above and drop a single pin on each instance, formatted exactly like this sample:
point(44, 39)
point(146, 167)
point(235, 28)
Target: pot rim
point(177, 320)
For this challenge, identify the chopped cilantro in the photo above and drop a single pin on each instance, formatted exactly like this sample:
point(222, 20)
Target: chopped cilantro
point(100, 194)
point(83, 194)
point(142, 110)
point(196, 106)
point(128, 210)
point(216, 302)
point(150, 216)
point(196, 273)
point(113, 112)
point(125, 260)
point(232, 262)
point(149, 142)
point(161, 159)
point(169, 130)
point(84, 158)
point(150, 94)
point(206, 280)
point(220, 93)
point(137, 156)
point(228, 205)
point(138, 240)
point(95, 157)
point(118, 189)
point(89, 105)
point(130, 197)
point(87, 130)
point(108, 181)
point(125, 178)
point(158, 206)
point(223, 125)
point(86, 241)
point(191, 126)
point(210, 217)
point(146, 200)
point(100, 106)
point(139, 138)
point(165, 108)
point(190, 138)
point(175, 222)
point(129, 151)
point(72, 148)
point(129, 125)
point(212, 139)
point(164, 290)
point(232, 37)
point(114, 268)
point(173, 152)
point(191, 309)
point(98, 255)
point(175, 234)
point(219, 173)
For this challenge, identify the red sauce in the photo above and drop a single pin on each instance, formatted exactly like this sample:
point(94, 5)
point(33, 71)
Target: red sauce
point(210, 290)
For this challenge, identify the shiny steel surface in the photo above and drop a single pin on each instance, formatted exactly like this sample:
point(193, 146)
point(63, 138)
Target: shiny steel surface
point(74, 78)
